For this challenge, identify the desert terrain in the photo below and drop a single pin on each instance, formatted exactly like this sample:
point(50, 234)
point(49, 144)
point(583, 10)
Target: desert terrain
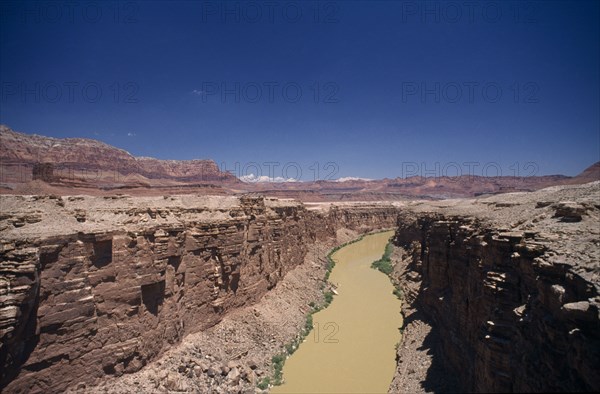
point(33, 164)
point(194, 293)
point(299, 197)
point(174, 276)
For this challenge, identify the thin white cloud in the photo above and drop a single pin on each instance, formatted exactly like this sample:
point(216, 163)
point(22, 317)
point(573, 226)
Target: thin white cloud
point(130, 134)
point(197, 92)
point(251, 178)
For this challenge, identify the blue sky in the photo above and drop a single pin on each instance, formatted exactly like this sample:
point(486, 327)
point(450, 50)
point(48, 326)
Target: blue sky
point(368, 86)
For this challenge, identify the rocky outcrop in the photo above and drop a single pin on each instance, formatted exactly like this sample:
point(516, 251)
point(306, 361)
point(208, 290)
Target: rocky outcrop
point(96, 287)
point(514, 310)
point(101, 286)
point(93, 167)
point(91, 161)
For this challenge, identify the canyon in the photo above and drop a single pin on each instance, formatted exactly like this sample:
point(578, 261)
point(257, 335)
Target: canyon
point(506, 288)
point(104, 292)
point(96, 286)
point(351, 339)
point(327, 197)
point(158, 275)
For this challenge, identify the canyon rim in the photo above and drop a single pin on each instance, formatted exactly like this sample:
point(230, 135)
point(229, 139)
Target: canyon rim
point(253, 197)
point(199, 293)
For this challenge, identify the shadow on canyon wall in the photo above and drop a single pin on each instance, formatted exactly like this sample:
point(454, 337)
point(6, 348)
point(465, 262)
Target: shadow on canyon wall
point(439, 378)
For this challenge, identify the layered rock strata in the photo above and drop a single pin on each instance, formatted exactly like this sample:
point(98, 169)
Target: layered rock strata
point(510, 287)
point(34, 164)
point(95, 287)
point(100, 286)
point(91, 160)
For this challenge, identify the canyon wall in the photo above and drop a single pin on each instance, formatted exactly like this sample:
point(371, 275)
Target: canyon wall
point(101, 286)
point(512, 315)
point(92, 160)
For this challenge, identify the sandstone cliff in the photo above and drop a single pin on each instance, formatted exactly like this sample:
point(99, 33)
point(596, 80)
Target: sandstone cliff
point(33, 164)
point(510, 285)
point(81, 161)
point(95, 287)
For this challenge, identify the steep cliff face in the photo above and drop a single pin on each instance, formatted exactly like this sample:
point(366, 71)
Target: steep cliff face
point(513, 311)
point(91, 160)
point(93, 167)
point(94, 287)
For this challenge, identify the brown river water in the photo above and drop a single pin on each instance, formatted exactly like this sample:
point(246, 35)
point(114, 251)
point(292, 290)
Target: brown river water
point(351, 348)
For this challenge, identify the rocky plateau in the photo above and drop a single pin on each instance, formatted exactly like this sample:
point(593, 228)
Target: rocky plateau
point(34, 164)
point(97, 286)
point(193, 281)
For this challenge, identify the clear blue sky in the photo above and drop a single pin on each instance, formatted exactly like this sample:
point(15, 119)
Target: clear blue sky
point(366, 85)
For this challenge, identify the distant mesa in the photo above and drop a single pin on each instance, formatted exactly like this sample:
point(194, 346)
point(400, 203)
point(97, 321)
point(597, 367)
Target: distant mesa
point(79, 163)
point(34, 164)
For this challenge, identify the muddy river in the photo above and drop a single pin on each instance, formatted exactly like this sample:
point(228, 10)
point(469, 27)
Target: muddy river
point(351, 348)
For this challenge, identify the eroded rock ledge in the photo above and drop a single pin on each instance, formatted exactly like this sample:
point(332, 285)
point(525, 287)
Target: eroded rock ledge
point(510, 288)
point(94, 287)
point(98, 287)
